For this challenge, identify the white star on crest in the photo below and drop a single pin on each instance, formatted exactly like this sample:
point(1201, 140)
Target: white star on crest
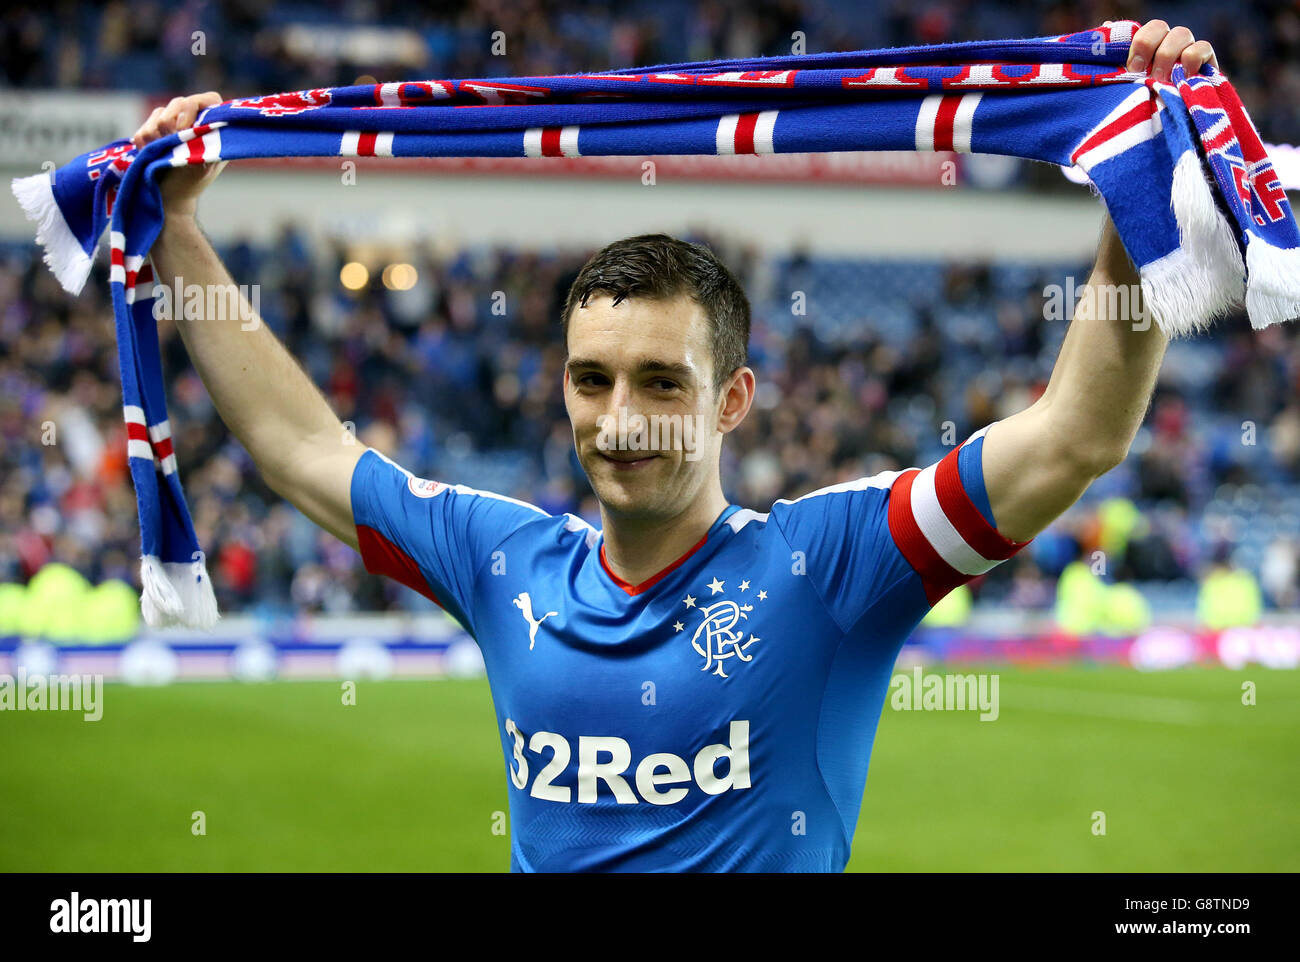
point(715, 585)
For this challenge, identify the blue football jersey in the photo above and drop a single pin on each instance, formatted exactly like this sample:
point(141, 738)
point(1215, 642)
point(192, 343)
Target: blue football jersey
point(718, 716)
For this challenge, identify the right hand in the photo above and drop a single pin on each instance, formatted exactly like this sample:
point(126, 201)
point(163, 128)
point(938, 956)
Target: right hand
point(180, 186)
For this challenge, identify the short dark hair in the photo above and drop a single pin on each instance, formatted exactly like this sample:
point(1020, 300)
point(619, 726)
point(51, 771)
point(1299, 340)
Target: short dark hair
point(659, 267)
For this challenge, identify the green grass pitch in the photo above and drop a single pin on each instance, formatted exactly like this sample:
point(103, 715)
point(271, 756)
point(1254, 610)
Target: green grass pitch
point(410, 777)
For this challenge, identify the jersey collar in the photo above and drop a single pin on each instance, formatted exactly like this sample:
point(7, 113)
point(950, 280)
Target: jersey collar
point(654, 579)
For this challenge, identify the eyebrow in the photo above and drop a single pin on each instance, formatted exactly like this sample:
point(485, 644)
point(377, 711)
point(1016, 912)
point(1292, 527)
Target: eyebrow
point(649, 365)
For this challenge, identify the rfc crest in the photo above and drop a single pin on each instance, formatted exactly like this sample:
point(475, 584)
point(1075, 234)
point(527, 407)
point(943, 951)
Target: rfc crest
point(722, 635)
point(280, 105)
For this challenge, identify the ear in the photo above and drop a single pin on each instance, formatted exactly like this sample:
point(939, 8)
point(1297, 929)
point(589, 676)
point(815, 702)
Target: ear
point(736, 400)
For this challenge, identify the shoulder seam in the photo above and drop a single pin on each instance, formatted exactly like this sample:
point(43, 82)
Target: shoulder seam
point(474, 577)
point(816, 590)
point(887, 489)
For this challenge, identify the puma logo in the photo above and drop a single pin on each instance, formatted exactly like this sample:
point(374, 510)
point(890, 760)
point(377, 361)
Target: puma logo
point(525, 604)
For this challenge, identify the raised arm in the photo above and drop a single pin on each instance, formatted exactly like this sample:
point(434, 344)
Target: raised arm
point(262, 394)
point(1038, 462)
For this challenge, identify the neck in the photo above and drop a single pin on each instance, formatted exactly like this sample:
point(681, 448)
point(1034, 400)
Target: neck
point(637, 549)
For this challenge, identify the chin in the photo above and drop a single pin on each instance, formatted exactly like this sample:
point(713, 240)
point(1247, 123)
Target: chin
point(628, 499)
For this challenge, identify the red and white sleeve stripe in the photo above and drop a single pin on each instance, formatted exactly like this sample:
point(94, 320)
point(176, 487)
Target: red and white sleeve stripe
point(939, 530)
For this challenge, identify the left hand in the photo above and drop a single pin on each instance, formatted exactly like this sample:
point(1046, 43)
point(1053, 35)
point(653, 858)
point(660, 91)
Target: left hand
point(1156, 48)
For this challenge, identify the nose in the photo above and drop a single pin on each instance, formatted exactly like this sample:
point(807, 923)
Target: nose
point(620, 396)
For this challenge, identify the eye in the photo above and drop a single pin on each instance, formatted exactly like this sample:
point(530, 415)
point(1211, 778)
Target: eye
point(663, 384)
point(590, 379)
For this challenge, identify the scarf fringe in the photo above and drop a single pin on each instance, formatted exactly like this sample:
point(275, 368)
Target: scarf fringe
point(1176, 294)
point(175, 593)
point(1209, 240)
point(63, 254)
point(1273, 283)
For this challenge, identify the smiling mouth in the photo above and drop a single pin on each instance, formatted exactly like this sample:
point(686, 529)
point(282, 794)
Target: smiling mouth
point(625, 463)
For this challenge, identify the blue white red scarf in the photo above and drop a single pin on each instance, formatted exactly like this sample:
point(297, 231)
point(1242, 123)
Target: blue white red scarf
point(1201, 243)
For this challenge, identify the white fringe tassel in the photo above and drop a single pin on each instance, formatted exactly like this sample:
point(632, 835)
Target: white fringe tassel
point(1204, 279)
point(176, 593)
point(1206, 232)
point(1273, 291)
point(1175, 294)
point(63, 254)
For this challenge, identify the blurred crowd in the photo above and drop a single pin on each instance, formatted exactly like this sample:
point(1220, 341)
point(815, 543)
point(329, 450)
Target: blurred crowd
point(451, 388)
point(246, 47)
point(454, 389)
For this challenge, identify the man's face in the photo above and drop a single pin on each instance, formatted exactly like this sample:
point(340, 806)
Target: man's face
point(651, 358)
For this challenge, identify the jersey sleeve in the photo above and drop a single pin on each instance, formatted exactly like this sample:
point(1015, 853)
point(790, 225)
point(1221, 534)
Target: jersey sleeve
point(430, 536)
point(892, 545)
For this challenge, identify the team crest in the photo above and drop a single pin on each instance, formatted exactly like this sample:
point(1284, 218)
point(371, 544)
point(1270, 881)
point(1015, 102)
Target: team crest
point(280, 105)
point(722, 634)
